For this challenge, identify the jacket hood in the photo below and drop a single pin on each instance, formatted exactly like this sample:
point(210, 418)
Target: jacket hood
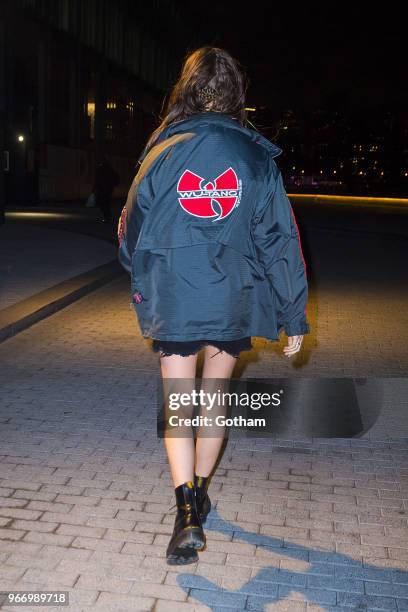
point(212, 117)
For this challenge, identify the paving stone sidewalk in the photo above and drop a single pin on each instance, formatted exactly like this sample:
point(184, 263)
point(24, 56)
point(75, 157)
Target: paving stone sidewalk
point(85, 491)
point(36, 258)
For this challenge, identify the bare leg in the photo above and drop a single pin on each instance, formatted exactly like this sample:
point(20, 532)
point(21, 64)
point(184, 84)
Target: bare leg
point(180, 450)
point(217, 365)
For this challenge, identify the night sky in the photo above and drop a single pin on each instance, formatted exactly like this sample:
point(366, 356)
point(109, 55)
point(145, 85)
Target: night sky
point(302, 57)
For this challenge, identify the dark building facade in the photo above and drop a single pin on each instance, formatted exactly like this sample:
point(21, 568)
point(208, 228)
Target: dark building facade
point(331, 151)
point(80, 80)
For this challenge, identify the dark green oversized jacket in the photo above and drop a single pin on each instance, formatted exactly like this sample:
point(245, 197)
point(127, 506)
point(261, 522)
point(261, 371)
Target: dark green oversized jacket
point(209, 236)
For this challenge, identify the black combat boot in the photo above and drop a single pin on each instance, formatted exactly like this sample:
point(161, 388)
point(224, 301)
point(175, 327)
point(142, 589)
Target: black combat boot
point(202, 500)
point(188, 534)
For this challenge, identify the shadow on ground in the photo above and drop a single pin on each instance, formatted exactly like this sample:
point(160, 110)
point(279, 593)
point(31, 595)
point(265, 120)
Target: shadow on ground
point(332, 579)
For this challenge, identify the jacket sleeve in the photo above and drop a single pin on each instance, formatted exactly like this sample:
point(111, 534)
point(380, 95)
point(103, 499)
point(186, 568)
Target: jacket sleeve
point(129, 226)
point(279, 251)
point(130, 221)
point(123, 252)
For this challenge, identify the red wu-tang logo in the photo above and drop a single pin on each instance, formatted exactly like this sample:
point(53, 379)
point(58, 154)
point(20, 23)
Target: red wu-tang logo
point(216, 198)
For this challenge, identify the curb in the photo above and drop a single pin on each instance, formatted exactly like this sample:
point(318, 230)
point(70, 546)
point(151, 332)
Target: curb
point(353, 201)
point(18, 317)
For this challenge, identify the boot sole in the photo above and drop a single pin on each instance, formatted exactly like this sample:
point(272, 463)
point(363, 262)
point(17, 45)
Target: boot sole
point(178, 557)
point(191, 539)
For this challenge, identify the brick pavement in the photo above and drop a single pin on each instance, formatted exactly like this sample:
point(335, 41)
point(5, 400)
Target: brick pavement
point(297, 525)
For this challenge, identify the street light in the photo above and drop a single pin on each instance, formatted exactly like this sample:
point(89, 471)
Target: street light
point(20, 138)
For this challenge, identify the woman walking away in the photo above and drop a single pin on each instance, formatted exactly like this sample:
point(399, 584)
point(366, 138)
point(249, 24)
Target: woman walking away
point(210, 240)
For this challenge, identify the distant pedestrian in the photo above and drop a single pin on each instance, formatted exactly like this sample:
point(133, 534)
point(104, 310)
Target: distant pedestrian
point(106, 179)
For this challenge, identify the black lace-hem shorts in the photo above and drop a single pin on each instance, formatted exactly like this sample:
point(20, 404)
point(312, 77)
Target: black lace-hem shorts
point(233, 347)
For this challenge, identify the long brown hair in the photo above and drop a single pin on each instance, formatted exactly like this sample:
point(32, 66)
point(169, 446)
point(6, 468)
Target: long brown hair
point(207, 73)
